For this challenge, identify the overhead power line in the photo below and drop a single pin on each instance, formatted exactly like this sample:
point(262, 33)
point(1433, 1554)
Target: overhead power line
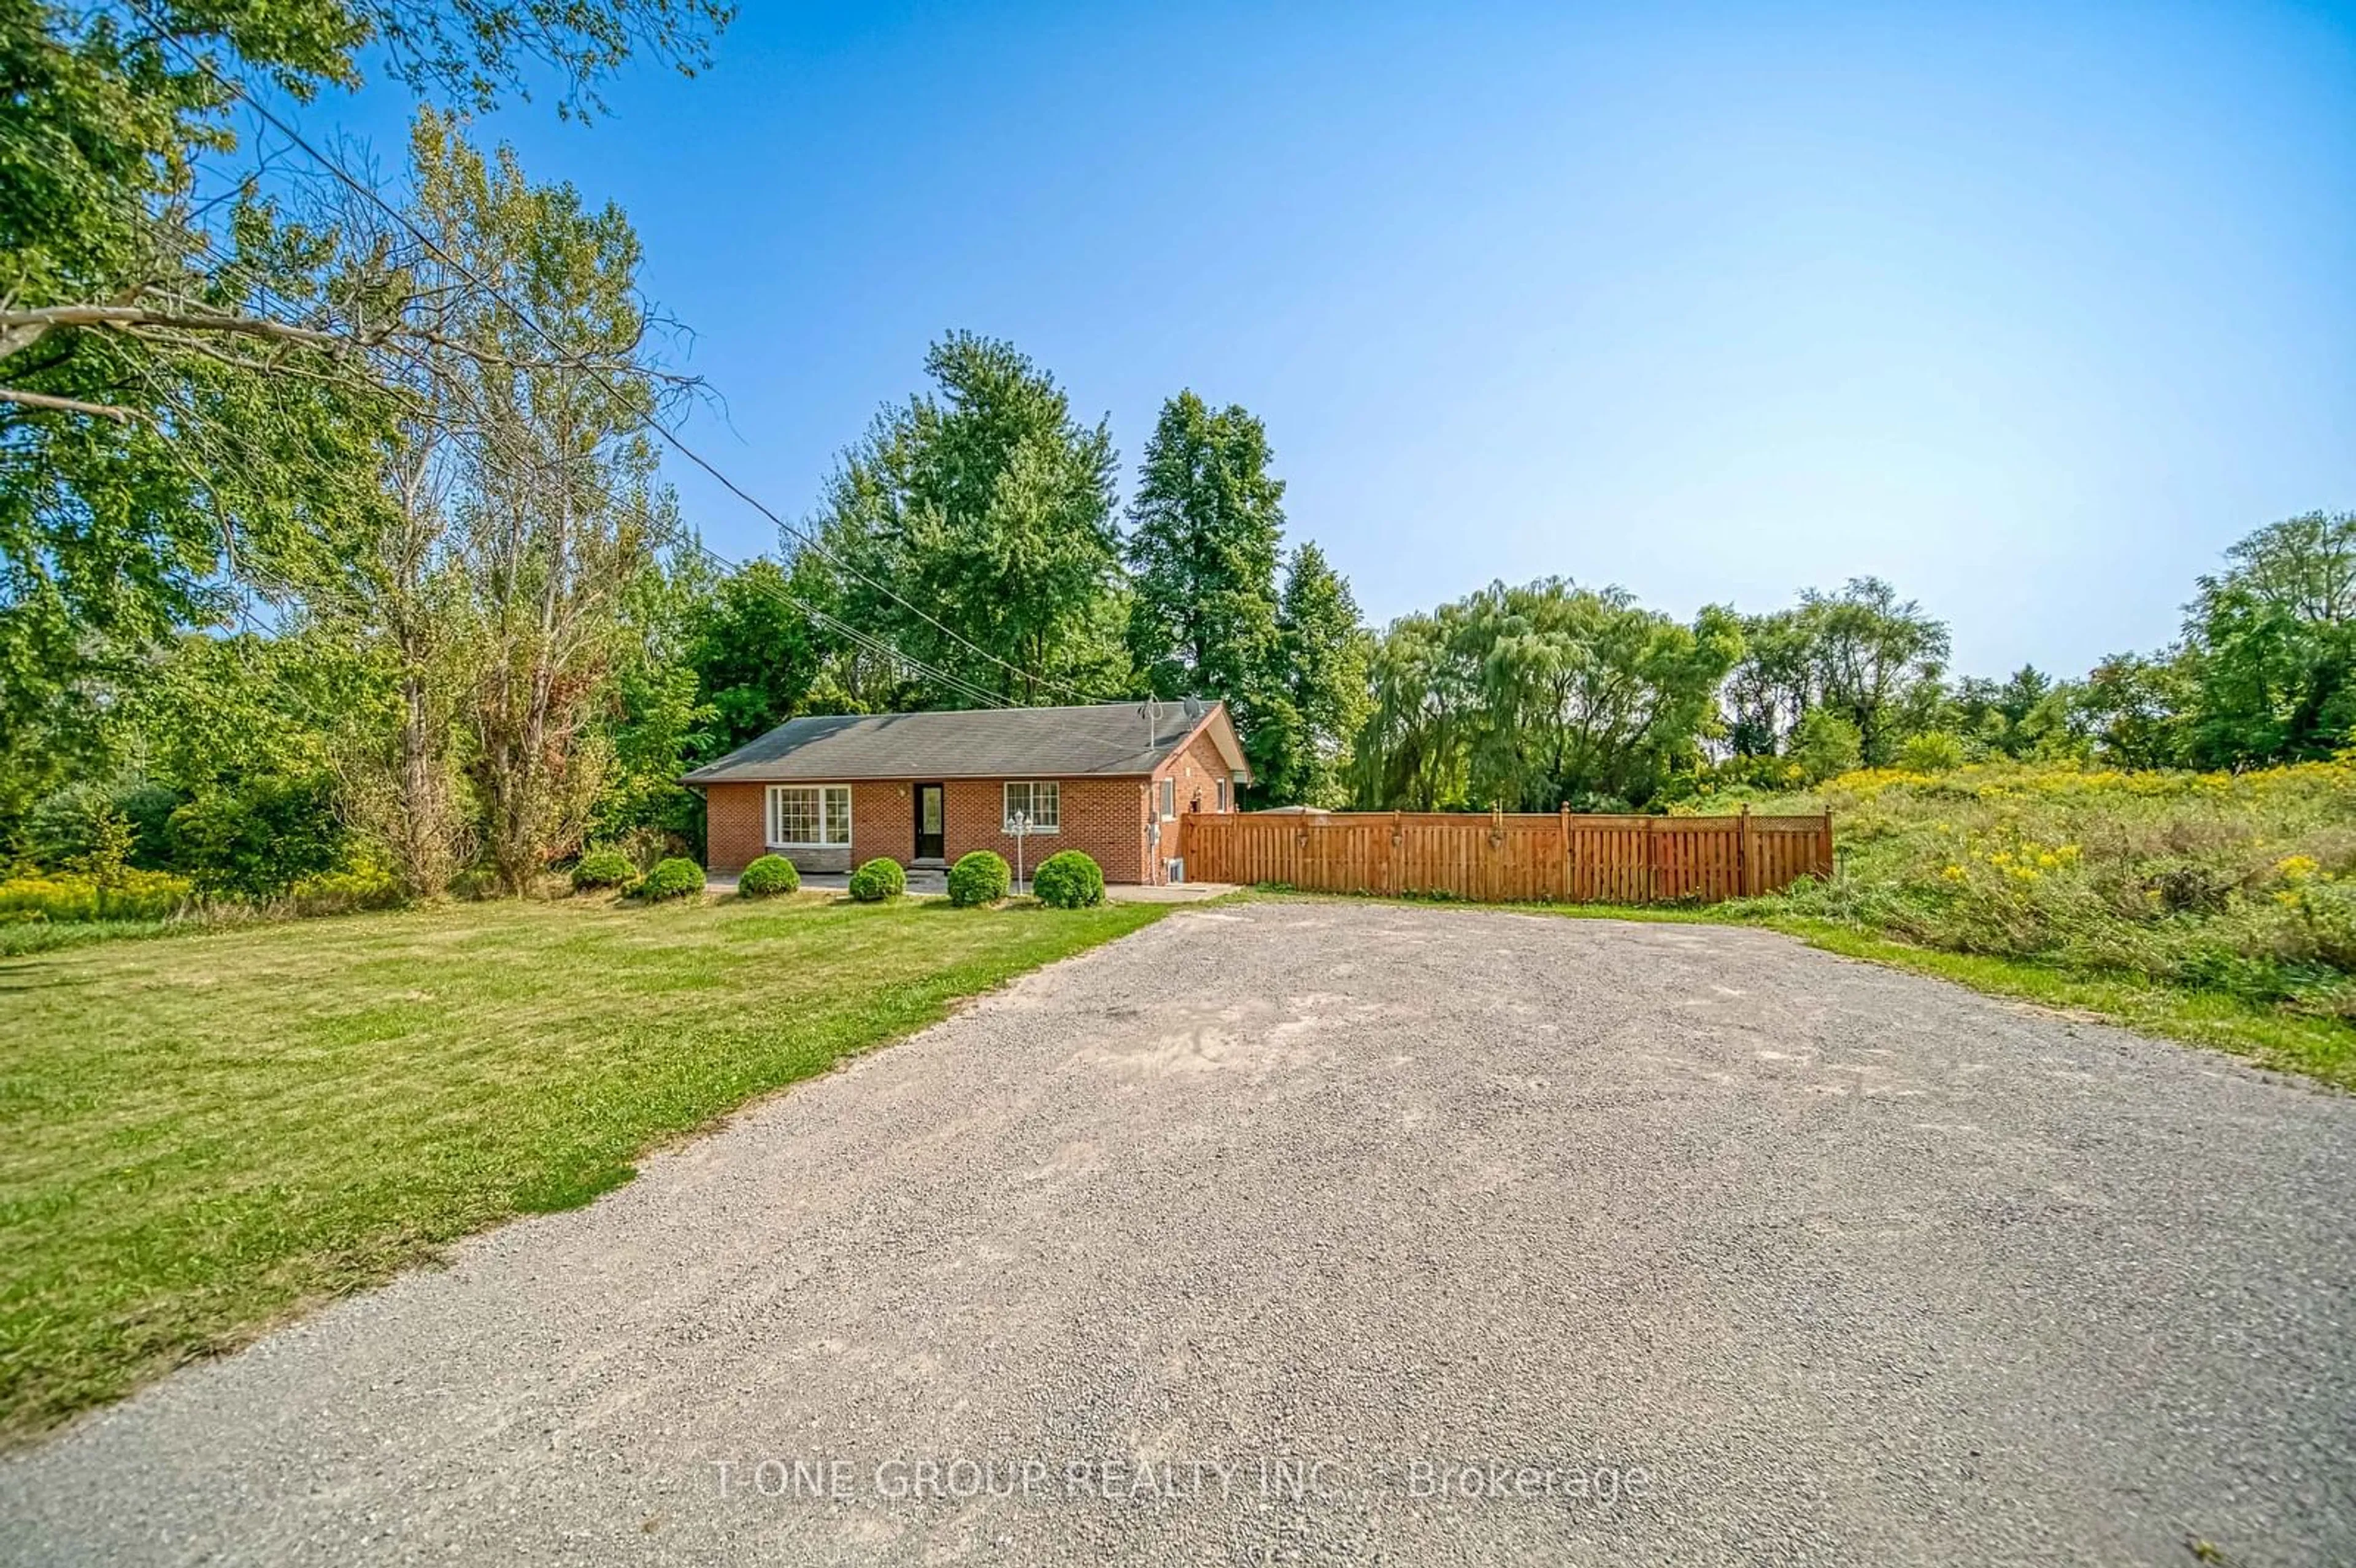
point(368, 193)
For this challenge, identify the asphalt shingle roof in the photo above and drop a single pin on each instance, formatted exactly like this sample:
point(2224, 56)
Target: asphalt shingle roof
point(993, 742)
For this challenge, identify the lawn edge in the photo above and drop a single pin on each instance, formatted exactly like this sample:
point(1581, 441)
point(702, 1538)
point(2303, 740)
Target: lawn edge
point(20, 1432)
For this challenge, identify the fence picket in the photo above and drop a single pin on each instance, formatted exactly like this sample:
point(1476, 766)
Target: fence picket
point(1512, 857)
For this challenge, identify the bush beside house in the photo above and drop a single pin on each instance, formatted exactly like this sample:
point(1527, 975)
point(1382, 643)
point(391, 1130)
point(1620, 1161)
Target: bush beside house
point(877, 880)
point(1068, 880)
point(676, 878)
point(767, 877)
point(602, 869)
point(979, 878)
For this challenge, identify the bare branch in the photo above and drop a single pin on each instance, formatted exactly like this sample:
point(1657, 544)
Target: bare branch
point(20, 329)
point(66, 405)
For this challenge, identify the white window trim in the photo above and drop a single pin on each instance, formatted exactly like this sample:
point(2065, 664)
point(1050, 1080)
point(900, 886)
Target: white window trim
point(1165, 798)
point(1006, 812)
point(770, 816)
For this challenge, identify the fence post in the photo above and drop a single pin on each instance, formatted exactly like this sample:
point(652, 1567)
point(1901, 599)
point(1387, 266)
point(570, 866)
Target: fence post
point(1391, 856)
point(1746, 861)
point(1562, 862)
point(1652, 869)
point(1824, 846)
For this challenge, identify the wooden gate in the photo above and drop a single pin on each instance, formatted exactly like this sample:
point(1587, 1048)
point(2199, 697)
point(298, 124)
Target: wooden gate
point(1511, 856)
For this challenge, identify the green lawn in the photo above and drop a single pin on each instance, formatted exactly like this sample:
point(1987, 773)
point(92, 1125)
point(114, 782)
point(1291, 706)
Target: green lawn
point(200, 1137)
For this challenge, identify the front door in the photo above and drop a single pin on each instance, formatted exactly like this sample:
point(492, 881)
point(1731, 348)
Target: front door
point(930, 842)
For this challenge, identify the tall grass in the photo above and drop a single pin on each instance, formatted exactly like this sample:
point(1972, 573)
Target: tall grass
point(41, 911)
point(2244, 884)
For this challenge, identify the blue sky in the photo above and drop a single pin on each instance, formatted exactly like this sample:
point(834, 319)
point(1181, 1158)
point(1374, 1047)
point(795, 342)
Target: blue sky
point(2031, 310)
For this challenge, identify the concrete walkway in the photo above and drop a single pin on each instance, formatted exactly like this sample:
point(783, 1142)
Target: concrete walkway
point(929, 883)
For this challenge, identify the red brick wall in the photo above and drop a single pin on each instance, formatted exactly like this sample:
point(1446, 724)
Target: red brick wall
point(883, 822)
point(1104, 817)
point(732, 825)
point(1197, 768)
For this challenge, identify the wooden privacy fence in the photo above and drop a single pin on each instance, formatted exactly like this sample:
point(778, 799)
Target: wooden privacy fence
point(1511, 856)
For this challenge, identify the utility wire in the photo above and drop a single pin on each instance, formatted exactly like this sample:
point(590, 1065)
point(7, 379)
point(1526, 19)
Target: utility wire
point(370, 194)
point(871, 642)
point(194, 420)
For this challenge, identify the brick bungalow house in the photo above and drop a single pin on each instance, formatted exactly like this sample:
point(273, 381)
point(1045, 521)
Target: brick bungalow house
point(924, 788)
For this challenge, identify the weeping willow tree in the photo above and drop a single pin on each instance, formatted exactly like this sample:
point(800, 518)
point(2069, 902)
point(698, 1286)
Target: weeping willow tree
point(1535, 697)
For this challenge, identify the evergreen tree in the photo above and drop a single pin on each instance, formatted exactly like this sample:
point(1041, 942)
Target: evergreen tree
point(1322, 697)
point(1205, 530)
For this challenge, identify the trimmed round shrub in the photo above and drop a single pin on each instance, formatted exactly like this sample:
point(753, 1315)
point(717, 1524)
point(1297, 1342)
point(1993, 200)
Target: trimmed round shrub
point(602, 869)
point(676, 878)
point(1068, 880)
point(878, 879)
point(767, 877)
point(979, 878)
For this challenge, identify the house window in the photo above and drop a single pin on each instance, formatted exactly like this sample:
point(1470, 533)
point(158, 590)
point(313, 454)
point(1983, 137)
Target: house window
point(1221, 784)
point(1040, 803)
point(809, 816)
point(1168, 798)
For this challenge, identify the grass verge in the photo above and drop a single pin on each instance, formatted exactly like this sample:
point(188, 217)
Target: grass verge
point(2320, 1048)
point(200, 1137)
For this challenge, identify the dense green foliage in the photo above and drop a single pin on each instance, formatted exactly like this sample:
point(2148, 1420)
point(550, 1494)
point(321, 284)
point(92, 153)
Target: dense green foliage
point(974, 528)
point(752, 656)
point(877, 880)
point(979, 876)
point(193, 355)
point(602, 869)
point(1537, 697)
point(767, 877)
point(2244, 883)
point(1068, 880)
point(468, 633)
point(1205, 528)
point(675, 877)
point(257, 840)
point(1208, 618)
point(1319, 699)
point(2265, 674)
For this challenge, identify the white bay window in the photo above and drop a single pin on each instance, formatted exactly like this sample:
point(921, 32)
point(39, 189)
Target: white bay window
point(809, 816)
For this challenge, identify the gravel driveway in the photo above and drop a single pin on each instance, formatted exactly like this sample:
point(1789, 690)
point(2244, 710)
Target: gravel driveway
point(1510, 1237)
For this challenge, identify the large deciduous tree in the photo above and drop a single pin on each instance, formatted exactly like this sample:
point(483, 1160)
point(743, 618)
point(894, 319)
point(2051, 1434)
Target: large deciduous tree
point(1872, 658)
point(144, 305)
point(973, 529)
point(563, 511)
point(2275, 635)
point(1535, 697)
point(755, 655)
